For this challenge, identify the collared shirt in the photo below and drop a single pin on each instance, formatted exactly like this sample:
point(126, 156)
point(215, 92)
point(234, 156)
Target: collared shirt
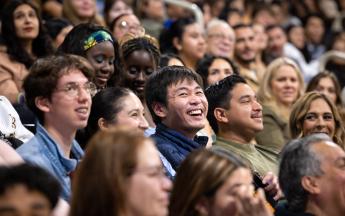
point(44, 151)
point(174, 146)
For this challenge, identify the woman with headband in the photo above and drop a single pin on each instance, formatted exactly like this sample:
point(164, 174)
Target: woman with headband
point(98, 46)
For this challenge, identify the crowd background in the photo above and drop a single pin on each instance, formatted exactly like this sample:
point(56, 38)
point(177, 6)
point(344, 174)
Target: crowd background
point(275, 46)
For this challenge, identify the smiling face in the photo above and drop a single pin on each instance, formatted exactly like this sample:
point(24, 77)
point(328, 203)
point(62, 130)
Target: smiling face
point(132, 113)
point(221, 41)
point(101, 56)
point(26, 22)
point(285, 85)
point(148, 187)
point(186, 108)
point(245, 113)
point(70, 111)
point(245, 46)
point(218, 70)
point(139, 65)
point(319, 119)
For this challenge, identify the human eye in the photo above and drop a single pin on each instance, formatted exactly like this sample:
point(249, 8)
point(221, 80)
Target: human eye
point(32, 14)
point(133, 70)
point(182, 94)
point(99, 59)
point(199, 92)
point(214, 72)
point(328, 116)
point(18, 15)
point(149, 71)
point(310, 117)
point(134, 114)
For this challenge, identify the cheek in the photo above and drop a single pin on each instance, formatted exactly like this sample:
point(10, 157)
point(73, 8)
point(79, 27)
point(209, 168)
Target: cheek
point(225, 206)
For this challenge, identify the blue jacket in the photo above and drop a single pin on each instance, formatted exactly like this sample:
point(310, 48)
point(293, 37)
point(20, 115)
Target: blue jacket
point(174, 146)
point(43, 151)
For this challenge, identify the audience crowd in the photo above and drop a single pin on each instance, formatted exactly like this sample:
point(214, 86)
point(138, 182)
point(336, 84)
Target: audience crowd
point(142, 107)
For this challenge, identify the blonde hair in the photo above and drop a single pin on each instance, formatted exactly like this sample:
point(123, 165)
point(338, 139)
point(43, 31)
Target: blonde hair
point(265, 93)
point(69, 13)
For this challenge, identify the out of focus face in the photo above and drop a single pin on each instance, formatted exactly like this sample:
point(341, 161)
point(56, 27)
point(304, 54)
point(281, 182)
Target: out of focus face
point(260, 36)
point(221, 41)
point(285, 85)
point(119, 7)
point(326, 87)
point(132, 113)
point(245, 46)
point(297, 37)
point(154, 9)
point(20, 201)
point(224, 201)
point(218, 70)
point(26, 22)
point(315, 29)
point(148, 187)
point(84, 8)
point(319, 119)
point(127, 24)
point(139, 65)
point(192, 44)
point(101, 56)
point(276, 41)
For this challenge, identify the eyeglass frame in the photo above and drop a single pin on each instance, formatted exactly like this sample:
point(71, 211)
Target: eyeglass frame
point(89, 87)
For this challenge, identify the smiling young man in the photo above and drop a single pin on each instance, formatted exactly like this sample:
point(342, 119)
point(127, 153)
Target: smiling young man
point(58, 90)
point(236, 116)
point(179, 107)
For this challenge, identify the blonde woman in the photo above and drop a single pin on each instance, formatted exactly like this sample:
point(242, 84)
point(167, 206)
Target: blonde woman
point(281, 86)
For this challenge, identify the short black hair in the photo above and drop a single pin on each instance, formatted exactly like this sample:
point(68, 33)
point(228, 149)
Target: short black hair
point(219, 95)
point(34, 178)
point(156, 88)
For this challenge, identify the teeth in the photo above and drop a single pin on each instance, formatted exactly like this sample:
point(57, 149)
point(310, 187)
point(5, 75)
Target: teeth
point(82, 110)
point(195, 112)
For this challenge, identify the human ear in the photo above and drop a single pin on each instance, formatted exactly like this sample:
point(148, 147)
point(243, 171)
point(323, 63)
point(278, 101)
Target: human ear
point(177, 43)
point(203, 206)
point(42, 104)
point(310, 184)
point(102, 124)
point(160, 110)
point(220, 115)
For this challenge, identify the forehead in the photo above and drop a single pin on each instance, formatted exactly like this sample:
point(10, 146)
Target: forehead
point(244, 32)
point(23, 7)
point(318, 105)
point(242, 89)
point(72, 75)
point(105, 47)
point(186, 83)
point(148, 154)
point(140, 57)
point(194, 27)
point(328, 151)
point(130, 18)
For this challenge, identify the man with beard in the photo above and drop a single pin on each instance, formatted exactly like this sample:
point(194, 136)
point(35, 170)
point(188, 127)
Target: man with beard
point(245, 53)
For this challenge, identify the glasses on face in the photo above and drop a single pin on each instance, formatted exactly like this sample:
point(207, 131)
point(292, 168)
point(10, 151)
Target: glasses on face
point(125, 26)
point(73, 89)
point(154, 172)
point(220, 36)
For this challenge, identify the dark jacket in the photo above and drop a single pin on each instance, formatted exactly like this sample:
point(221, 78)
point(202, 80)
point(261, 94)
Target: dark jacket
point(283, 210)
point(175, 146)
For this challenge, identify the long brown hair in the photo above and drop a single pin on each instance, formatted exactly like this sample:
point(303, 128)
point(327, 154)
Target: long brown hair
point(99, 187)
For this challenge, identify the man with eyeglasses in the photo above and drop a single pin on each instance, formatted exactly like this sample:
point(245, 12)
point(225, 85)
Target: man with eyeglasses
point(220, 38)
point(58, 91)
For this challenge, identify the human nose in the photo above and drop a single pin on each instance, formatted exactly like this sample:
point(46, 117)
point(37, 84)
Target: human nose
point(141, 76)
point(83, 93)
point(320, 121)
point(143, 124)
point(257, 106)
point(166, 183)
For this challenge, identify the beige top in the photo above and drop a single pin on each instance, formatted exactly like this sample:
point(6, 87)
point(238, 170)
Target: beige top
point(12, 74)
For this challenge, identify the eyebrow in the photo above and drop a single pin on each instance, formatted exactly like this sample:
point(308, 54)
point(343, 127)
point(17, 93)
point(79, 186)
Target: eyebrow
point(7, 209)
point(246, 97)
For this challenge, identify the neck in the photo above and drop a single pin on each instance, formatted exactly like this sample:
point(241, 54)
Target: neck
point(62, 136)
point(234, 136)
point(245, 64)
point(189, 62)
point(318, 208)
point(27, 45)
